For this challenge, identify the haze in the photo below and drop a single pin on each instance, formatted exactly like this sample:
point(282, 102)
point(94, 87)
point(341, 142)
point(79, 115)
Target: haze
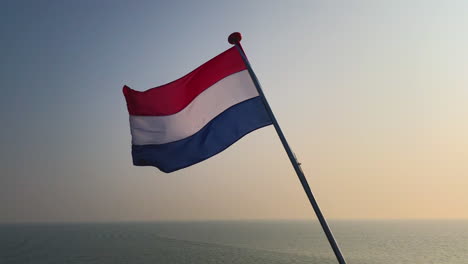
point(372, 96)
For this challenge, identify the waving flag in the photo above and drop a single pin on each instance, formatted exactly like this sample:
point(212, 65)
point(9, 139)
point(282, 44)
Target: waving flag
point(195, 117)
point(199, 115)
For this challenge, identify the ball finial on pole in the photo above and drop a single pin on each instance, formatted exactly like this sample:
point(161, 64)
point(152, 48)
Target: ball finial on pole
point(234, 38)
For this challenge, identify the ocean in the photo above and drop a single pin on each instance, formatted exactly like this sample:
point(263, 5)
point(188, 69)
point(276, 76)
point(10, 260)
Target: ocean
point(247, 242)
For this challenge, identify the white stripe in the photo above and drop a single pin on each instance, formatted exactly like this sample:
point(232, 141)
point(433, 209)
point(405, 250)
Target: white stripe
point(213, 101)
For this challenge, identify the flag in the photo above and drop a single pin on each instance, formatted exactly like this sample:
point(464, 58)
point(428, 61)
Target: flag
point(193, 118)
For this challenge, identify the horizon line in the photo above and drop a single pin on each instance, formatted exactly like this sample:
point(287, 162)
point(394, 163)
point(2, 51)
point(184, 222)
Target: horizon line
point(226, 220)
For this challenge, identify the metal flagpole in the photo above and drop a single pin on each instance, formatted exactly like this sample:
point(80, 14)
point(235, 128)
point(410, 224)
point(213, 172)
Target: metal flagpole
point(234, 39)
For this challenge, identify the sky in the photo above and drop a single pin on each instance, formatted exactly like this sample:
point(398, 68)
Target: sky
point(372, 96)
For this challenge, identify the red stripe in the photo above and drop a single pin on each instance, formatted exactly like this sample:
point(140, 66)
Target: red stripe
point(172, 97)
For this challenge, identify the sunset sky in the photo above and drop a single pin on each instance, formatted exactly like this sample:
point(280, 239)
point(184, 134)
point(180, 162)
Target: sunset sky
point(372, 96)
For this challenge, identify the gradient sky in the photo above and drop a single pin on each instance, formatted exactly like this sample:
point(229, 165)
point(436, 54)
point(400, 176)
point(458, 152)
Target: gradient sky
point(372, 95)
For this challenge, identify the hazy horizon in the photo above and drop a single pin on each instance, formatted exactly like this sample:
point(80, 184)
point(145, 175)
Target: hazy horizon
point(303, 220)
point(372, 97)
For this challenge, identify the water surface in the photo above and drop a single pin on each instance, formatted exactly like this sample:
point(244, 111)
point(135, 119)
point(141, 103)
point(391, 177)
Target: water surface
point(386, 242)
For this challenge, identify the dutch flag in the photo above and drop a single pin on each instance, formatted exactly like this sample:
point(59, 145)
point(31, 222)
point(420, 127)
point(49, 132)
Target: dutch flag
point(195, 117)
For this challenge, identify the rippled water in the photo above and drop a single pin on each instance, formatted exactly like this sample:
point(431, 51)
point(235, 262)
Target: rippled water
point(362, 242)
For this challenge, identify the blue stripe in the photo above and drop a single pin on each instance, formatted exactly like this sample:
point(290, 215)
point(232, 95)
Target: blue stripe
point(220, 133)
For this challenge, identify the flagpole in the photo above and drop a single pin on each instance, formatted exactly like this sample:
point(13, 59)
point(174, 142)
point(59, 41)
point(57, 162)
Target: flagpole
point(235, 39)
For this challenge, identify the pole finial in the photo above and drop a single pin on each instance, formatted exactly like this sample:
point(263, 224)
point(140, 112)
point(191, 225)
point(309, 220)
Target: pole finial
point(234, 38)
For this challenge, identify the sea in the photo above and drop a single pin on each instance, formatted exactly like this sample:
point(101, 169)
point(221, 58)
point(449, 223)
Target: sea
point(247, 242)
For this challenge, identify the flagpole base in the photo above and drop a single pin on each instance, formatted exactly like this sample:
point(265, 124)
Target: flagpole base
point(235, 38)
